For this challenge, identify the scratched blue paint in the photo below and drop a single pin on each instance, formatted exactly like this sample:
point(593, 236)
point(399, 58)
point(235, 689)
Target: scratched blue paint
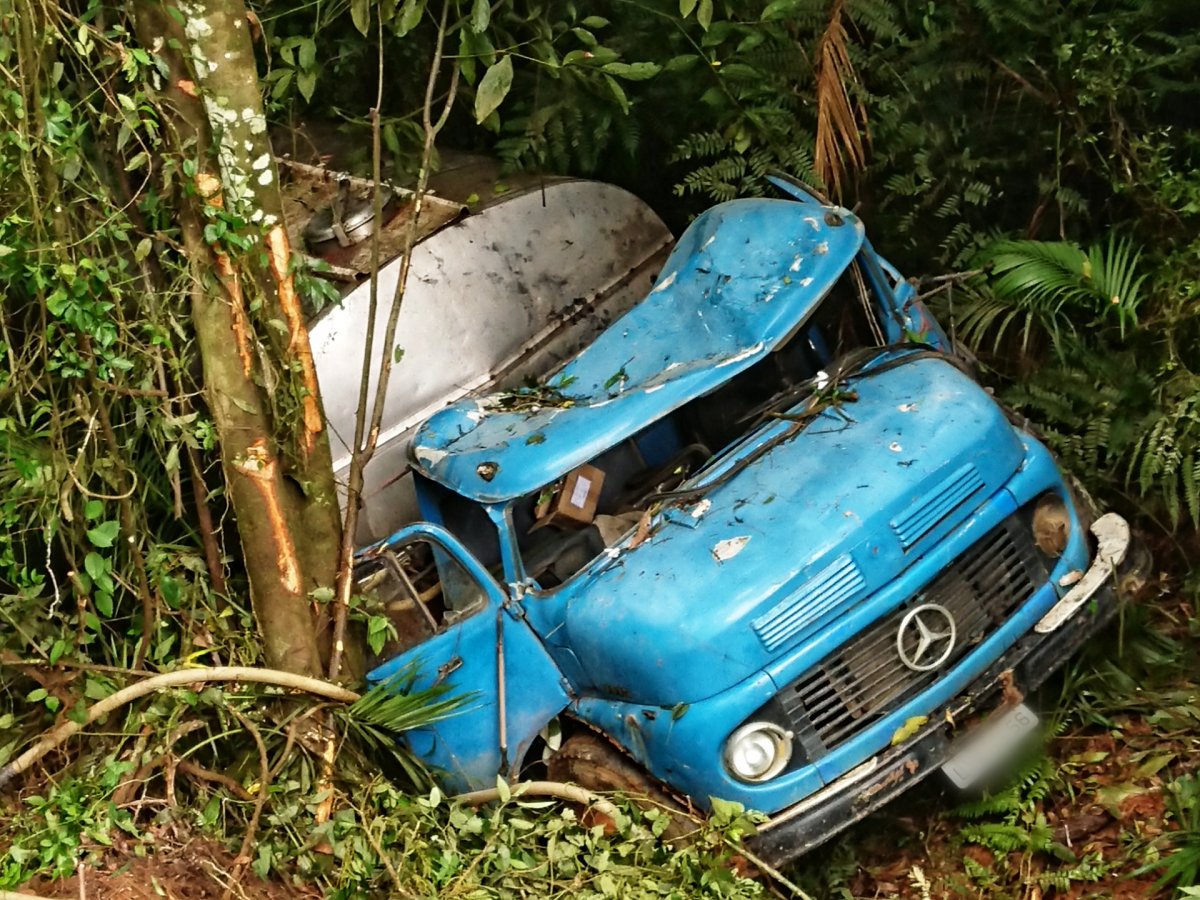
point(740, 280)
point(465, 748)
point(669, 643)
point(832, 490)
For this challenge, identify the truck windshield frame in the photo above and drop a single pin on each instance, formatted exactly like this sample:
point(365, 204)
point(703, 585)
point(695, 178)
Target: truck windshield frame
point(858, 309)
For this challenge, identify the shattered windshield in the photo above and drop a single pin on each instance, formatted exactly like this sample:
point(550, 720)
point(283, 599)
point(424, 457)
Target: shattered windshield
point(565, 525)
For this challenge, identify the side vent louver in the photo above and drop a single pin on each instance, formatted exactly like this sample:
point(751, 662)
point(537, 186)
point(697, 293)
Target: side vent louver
point(943, 499)
point(833, 585)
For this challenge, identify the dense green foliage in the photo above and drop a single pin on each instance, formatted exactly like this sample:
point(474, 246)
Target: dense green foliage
point(1052, 146)
point(1073, 123)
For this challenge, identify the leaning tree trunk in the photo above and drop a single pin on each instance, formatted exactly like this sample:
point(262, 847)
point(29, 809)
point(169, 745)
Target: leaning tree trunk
point(259, 378)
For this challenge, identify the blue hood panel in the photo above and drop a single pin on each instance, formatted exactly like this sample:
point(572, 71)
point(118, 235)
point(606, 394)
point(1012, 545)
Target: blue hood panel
point(742, 278)
point(808, 530)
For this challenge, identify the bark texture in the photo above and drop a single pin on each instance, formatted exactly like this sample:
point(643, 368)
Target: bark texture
point(259, 378)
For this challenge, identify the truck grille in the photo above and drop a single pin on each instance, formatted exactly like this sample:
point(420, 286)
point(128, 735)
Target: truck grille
point(865, 677)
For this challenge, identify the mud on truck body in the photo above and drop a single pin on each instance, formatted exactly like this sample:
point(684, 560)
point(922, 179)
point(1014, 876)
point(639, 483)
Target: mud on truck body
point(764, 539)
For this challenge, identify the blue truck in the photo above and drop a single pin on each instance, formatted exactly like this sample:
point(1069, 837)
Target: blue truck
point(764, 539)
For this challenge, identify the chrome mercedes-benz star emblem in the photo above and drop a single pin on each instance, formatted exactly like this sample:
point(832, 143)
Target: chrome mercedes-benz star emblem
point(925, 638)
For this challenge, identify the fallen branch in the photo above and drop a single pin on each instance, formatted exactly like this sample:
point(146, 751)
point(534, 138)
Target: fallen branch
point(574, 794)
point(570, 792)
point(321, 173)
point(242, 674)
point(945, 282)
point(195, 770)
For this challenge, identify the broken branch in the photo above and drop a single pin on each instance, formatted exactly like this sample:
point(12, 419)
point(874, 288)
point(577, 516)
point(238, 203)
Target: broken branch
point(241, 674)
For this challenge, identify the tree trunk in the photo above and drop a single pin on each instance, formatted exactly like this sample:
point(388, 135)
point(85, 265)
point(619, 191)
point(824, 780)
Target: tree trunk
point(259, 378)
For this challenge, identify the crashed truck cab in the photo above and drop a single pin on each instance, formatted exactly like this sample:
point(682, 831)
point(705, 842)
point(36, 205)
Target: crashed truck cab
point(765, 535)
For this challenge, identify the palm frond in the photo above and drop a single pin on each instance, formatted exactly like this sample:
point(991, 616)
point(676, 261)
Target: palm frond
point(1114, 277)
point(394, 705)
point(1051, 289)
point(840, 121)
point(381, 716)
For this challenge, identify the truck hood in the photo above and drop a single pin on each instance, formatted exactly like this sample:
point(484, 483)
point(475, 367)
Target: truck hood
point(793, 540)
point(741, 280)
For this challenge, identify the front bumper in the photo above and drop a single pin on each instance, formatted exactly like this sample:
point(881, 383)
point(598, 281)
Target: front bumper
point(1023, 668)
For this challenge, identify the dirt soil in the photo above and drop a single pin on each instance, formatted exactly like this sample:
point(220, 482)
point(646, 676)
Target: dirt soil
point(197, 870)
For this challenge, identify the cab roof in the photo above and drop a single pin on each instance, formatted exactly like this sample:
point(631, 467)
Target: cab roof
point(740, 281)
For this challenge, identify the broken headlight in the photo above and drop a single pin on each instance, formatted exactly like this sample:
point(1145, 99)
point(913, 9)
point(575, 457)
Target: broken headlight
point(1051, 524)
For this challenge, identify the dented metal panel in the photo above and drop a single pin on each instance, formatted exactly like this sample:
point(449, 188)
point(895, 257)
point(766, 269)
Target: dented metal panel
point(741, 281)
point(826, 494)
point(498, 296)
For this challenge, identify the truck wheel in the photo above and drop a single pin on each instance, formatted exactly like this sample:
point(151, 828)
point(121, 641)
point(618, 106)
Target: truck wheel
point(593, 763)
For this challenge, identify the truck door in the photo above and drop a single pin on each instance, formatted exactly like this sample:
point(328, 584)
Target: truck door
point(459, 628)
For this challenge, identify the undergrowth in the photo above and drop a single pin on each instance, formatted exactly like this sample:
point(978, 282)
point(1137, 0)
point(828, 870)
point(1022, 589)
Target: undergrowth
point(1045, 144)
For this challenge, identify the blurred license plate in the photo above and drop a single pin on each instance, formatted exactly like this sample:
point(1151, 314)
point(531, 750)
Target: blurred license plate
point(990, 746)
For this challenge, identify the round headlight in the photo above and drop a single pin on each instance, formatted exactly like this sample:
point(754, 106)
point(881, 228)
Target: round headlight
point(1051, 525)
point(758, 751)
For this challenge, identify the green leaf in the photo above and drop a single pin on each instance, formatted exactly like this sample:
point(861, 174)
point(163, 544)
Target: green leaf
point(262, 863)
point(503, 789)
point(398, 353)
point(725, 811)
point(56, 652)
point(704, 13)
point(308, 53)
point(585, 37)
point(493, 88)
point(466, 59)
point(632, 71)
point(97, 688)
point(619, 93)
point(211, 811)
point(686, 7)
point(78, 713)
point(104, 603)
point(36, 695)
point(778, 9)
point(104, 534)
point(410, 17)
point(96, 566)
point(281, 85)
point(481, 15)
point(594, 22)
point(171, 590)
point(306, 82)
point(377, 633)
point(93, 509)
point(360, 14)
point(908, 729)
